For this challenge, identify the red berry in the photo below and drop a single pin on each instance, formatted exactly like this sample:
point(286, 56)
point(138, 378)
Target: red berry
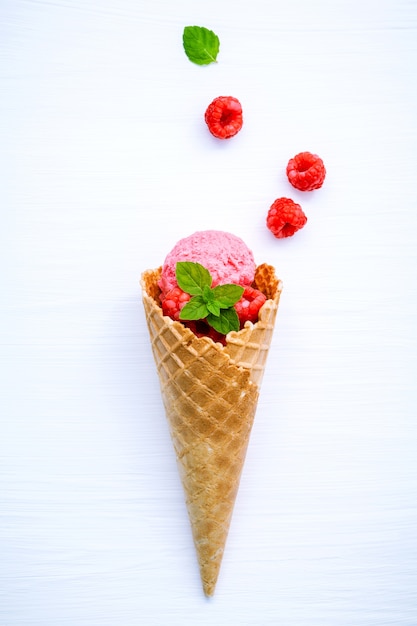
point(201, 329)
point(224, 117)
point(248, 306)
point(285, 217)
point(306, 171)
point(173, 302)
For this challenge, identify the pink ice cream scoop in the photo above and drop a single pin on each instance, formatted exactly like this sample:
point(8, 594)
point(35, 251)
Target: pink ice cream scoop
point(227, 258)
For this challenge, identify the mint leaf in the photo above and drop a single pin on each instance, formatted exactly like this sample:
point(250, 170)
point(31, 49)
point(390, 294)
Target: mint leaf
point(192, 277)
point(208, 294)
point(201, 45)
point(195, 309)
point(214, 305)
point(213, 308)
point(210, 300)
point(227, 295)
point(225, 322)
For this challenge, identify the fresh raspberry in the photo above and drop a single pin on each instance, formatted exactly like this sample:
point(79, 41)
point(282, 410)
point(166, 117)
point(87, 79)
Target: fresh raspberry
point(224, 117)
point(285, 217)
point(173, 302)
point(248, 306)
point(201, 329)
point(306, 171)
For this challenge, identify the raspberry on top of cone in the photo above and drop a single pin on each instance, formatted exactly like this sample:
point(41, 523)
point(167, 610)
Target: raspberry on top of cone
point(207, 284)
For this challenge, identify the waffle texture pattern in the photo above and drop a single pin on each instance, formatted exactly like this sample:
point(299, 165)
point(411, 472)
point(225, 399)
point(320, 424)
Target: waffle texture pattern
point(210, 393)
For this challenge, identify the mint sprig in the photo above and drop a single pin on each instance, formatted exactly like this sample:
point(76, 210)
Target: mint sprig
point(215, 305)
point(201, 45)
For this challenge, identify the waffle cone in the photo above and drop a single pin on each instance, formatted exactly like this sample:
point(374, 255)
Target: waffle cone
point(210, 393)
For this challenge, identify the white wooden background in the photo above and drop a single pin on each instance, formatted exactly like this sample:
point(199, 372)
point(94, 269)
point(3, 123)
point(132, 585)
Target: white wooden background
point(105, 163)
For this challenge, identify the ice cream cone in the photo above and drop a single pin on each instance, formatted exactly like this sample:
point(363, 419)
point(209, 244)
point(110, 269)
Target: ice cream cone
point(210, 393)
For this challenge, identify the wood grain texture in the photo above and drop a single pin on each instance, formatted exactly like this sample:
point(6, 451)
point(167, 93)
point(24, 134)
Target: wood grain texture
point(105, 163)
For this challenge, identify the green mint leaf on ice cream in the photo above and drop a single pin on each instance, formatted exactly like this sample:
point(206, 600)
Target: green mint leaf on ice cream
point(192, 277)
point(195, 309)
point(201, 45)
point(215, 305)
point(227, 320)
point(227, 295)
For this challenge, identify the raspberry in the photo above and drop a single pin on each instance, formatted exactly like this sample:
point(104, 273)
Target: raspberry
point(306, 171)
point(248, 306)
point(173, 302)
point(200, 328)
point(285, 217)
point(224, 117)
